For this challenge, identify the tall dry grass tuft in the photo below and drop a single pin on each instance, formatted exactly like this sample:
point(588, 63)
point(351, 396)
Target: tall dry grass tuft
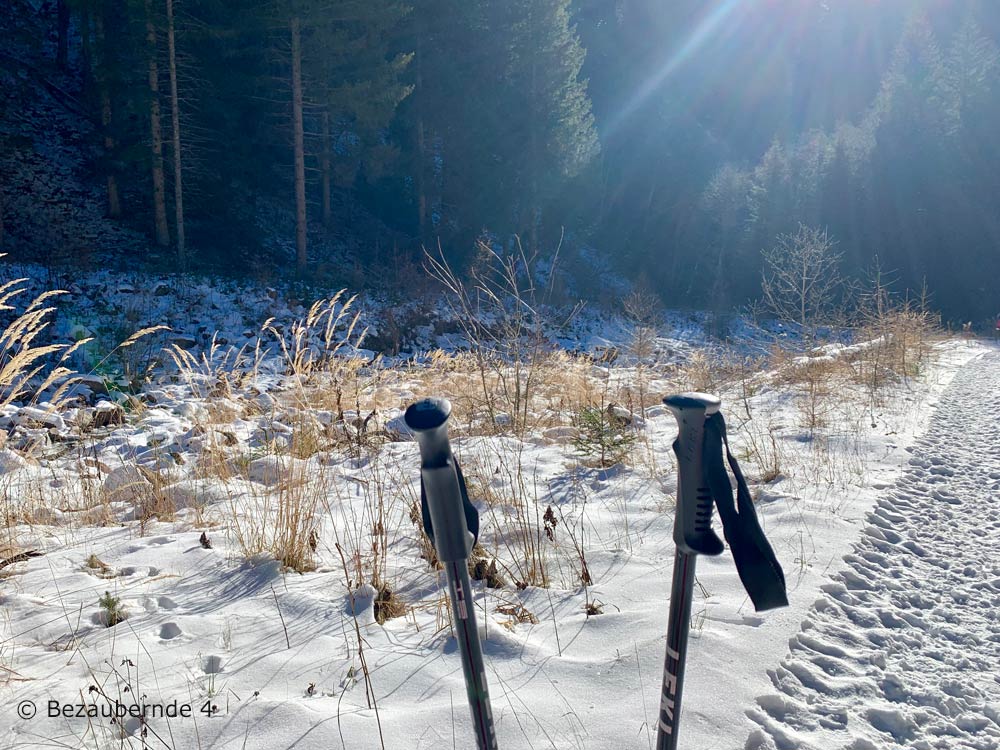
point(896, 336)
point(218, 371)
point(22, 358)
point(324, 409)
point(367, 518)
point(315, 341)
point(514, 528)
point(35, 374)
point(280, 518)
point(502, 312)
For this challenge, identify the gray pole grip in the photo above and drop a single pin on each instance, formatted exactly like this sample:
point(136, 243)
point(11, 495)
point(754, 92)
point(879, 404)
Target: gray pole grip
point(693, 532)
point(429, 421)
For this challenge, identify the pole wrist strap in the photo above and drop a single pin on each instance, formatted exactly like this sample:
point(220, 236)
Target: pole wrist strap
point(471, 514)
point(758, 568)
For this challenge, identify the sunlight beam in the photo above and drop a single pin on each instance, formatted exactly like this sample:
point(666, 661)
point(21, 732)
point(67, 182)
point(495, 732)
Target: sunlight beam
point(701, 34)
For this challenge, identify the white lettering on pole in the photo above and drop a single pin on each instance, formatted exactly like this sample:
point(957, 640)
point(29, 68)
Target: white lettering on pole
point(667, 729)
point(667, 699)
point(463, 613)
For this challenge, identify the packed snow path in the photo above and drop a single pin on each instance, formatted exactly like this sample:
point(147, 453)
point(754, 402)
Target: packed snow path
point(903, 649)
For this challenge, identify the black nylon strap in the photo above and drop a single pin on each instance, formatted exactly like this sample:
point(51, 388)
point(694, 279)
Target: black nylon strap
point(758, 568)
point(471, 514)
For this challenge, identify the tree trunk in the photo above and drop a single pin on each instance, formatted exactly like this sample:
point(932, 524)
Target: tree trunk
point(62, 46)
point(175, 119)
point(86, 47)
point(533, 166)
point(300, 158)
point(114, 202)
point(421, 180)
point(2, 233)
point(156, 136)
point(421, 143)
point(325, 170)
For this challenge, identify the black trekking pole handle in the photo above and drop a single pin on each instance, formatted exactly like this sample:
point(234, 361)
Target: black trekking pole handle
point(693, 536)
point(693, 525)
point(452, 523)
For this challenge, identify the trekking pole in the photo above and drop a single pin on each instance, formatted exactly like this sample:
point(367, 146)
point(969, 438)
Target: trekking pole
point(703, 484)
point(693, 536)
point(452, 523)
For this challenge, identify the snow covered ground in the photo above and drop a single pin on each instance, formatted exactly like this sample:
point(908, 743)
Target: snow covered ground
point(174, 504)
point(903, 647)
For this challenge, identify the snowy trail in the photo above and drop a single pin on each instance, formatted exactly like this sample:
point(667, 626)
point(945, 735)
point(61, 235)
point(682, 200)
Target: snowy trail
point(903, 649)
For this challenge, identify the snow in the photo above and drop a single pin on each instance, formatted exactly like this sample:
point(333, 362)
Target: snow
point(861, 512)
point(902, 647)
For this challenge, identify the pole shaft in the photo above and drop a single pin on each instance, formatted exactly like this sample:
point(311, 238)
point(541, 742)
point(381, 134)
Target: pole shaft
point(453, 523)
point(678, 628)
point(464, 617)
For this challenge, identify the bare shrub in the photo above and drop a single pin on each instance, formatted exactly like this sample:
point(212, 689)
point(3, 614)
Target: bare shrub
point(893, 335)
point(801, 282)
point(643, 310)
point(502, 314)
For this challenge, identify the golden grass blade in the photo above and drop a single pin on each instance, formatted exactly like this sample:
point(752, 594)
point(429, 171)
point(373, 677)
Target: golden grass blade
point(52, 377)
point(142, 333)
point(22, 360)
point(57, 397)
point(35, 303)
point(74, 347)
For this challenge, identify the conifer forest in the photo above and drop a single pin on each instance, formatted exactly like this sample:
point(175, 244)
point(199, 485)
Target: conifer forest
point(675, 139)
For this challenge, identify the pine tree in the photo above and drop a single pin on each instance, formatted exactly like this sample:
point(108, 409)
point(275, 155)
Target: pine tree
point(550, 113)
point(968, 73)
point(345, 85)
point(113, 42)
point(239, 135)
point(357, 86)
point(500, 118)
point(452, 117)
point(102, 76)
point(838, 199)
point(301, 219)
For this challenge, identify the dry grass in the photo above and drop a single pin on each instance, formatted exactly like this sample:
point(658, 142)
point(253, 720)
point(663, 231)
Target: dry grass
point(562, 384)
point(515, 614)
point(38, 375)
point(499, 476)
point(317, 485)
point(760, 448)
point(506, 318)
point(898, 347)
point(282, 520)
point(715, 370)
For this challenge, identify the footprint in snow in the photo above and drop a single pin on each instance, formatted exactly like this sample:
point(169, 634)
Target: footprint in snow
point(211, 664)
point(169, 631)
point(902, 648)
